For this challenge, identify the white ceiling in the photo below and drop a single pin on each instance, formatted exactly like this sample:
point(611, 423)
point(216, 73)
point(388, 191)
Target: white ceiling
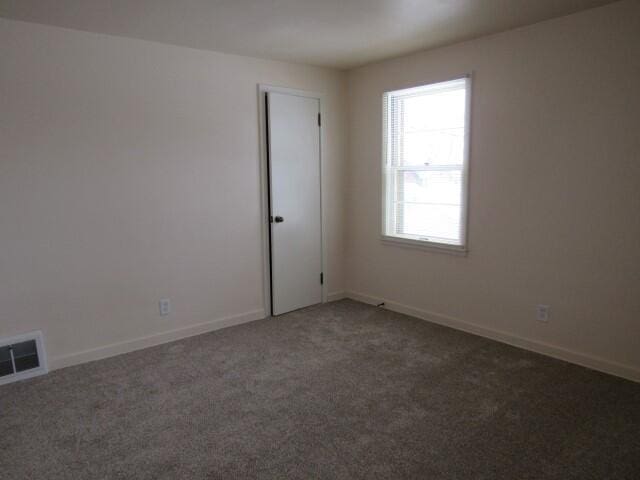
point(336, 33)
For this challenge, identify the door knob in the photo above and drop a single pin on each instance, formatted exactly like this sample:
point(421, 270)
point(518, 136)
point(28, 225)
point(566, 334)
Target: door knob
point(279, 219)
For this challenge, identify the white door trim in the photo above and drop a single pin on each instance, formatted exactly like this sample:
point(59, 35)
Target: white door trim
point(264, 187)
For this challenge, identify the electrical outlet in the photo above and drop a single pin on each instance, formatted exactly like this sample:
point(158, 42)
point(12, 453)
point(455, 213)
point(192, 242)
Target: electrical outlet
point(165, 306)
point(542, 313)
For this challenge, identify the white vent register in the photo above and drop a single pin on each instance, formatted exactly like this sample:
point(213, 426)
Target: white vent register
point(22, 357)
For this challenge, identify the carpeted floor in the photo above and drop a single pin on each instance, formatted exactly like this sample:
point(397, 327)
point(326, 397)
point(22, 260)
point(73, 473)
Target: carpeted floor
point(343, 390)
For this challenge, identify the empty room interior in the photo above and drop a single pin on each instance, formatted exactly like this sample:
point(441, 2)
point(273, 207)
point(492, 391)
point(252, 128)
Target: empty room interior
point(320, 239)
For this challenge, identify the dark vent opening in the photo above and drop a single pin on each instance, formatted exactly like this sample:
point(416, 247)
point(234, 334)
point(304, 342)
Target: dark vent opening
point(25, 355)
point(6, 366)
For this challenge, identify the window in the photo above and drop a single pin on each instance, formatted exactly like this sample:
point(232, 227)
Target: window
point(425, 148)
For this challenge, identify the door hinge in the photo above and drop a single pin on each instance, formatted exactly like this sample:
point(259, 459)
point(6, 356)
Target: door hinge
point(322, 279)
point(319, 120)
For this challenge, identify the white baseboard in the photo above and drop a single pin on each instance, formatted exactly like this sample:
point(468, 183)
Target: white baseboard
point(595, 363)
point(152, 340)
point(334, 296)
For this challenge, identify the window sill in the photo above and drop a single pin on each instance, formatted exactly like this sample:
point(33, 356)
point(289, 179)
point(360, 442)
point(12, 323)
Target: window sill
point(424, 245)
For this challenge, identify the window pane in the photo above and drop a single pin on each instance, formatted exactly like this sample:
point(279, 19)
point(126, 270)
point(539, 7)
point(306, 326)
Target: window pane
point(425, 220)
point(429, 128)
point(438, 147)
point(434, 110)
point(441, 187)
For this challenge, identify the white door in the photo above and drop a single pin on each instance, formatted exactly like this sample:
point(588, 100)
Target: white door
point(294, 201)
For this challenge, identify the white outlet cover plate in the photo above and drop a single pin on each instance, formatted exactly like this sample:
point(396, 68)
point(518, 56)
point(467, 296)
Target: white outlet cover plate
point(165, 306)
point(542, 313)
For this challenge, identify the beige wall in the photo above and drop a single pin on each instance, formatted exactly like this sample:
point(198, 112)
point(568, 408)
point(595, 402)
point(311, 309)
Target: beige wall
point(129, 171)
point(554, 189)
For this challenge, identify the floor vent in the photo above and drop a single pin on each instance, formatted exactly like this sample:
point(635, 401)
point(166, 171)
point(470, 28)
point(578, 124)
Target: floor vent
point(22, 357)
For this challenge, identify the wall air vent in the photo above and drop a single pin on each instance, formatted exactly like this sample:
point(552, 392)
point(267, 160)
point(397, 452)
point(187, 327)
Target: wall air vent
point(22, 357)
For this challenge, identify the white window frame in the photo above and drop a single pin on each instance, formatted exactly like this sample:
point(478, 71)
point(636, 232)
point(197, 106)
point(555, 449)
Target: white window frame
point(428, 244)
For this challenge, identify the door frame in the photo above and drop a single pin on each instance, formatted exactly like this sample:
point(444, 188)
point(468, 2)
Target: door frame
point(264, 188)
